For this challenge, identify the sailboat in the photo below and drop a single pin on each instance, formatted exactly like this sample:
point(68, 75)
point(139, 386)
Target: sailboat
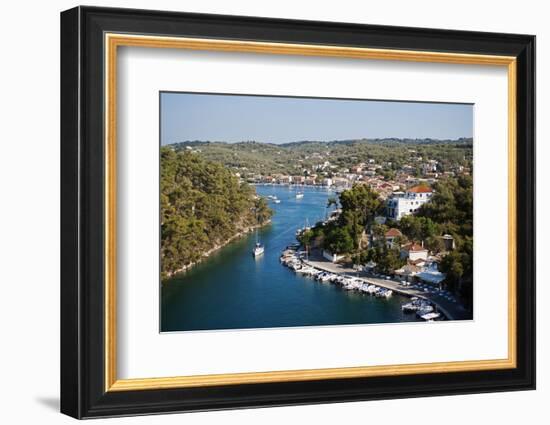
point(258, 248)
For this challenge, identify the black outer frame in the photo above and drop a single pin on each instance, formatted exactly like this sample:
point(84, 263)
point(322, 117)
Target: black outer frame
point(82, 212)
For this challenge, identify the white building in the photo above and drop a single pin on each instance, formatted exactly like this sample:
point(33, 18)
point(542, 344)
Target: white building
point(327, 181)
point(412, 252)
point(332, 257)
point(402, 204)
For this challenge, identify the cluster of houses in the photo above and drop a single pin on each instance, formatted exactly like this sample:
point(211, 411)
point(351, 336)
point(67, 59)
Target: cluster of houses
point(420, 266)
point(369, 173)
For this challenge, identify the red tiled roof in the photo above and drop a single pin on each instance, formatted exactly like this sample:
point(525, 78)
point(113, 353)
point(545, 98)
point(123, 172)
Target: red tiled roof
point(413, 247)
point(420, 189)
point(393, 232)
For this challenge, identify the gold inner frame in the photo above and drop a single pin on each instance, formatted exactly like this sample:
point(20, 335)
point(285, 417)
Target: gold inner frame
point(113, 41)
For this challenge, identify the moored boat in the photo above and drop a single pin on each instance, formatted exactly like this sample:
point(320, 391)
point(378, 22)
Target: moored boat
point(425, 309)
point(430, 317)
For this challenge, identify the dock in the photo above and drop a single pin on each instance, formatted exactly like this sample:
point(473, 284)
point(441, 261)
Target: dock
point(452, 311)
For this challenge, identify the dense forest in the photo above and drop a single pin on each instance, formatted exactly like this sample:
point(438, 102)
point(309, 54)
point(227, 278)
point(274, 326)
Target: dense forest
point(450, 211)
point(292, 158)
point(203, 205)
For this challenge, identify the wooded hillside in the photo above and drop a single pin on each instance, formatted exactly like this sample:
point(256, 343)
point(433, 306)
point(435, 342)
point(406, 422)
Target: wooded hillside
point(202, 206)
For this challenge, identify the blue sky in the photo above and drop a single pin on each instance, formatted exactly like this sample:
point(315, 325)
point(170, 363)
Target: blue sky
point(234, 118)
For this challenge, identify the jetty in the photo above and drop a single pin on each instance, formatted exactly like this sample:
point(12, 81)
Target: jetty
point(350, 278)
point(451, 310)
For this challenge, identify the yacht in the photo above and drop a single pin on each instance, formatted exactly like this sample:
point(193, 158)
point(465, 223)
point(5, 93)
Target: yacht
point(372, 289)
point(305, 270)
point(299, 195)
point(258, 249)
point(384, 293)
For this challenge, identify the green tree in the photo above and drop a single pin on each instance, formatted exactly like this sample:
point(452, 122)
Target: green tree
point(306, 238)
point(388, 260)
point(434, 244)
point(362, 201)
point(452, 266)
point(332, 200)
point(339, 241)
point(202, 206)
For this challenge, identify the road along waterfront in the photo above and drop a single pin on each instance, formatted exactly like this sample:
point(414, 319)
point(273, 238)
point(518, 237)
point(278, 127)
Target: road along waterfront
point(451, 310)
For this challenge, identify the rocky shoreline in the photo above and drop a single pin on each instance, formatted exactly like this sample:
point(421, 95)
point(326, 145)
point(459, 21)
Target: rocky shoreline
point(207, 254)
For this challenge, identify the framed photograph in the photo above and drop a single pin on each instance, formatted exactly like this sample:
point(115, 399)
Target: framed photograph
point(261, 212)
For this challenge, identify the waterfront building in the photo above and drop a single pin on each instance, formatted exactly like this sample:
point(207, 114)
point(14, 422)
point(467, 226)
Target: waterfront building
point(408, 272)
point(413, 251)
point(285, 179)
point(400, 205)
point(340, 182)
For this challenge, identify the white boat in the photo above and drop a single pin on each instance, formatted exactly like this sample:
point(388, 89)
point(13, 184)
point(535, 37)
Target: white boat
point(384, 293)
point(430, 317)
point(312, 272)
point(305, 270)
point(277, 201)
point(287, 261)
point(409, 307)
point(424, 310)
point(338, 280)
point(258, 249)
point(316, 273)
point(302, 270)
point(299, 195)
point(324, 277)
point(348, 283)
point(295, 265)
point(372, 289)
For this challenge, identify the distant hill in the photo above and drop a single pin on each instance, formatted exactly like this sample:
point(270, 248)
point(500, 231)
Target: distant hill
point(294, 157)
point(389, 140)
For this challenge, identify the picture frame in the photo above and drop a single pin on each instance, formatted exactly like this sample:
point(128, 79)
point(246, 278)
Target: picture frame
point(90, 39)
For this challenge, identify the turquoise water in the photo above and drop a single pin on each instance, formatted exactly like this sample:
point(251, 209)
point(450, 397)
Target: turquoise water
point(233, 290)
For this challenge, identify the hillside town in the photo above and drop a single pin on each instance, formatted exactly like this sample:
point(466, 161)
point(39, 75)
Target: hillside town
point(387, 260)
point(387, 248)
point(380, 177)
